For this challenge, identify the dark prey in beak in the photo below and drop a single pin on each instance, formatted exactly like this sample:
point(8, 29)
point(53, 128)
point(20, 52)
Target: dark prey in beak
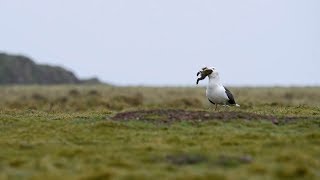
point(204, 73)
point(203, 76)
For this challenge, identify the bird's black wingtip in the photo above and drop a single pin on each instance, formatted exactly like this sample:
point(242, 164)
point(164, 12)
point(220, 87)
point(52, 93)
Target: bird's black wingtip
point(230, 96)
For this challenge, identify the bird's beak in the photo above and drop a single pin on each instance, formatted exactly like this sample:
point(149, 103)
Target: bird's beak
point(204, 73)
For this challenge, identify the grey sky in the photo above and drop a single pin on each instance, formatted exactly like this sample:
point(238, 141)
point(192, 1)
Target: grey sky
point(165, 42)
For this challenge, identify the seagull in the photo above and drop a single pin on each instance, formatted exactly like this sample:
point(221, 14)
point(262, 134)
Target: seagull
point(216, 92)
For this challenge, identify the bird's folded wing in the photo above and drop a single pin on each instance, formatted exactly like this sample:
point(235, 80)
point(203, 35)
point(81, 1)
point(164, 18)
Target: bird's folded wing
point(230, 96)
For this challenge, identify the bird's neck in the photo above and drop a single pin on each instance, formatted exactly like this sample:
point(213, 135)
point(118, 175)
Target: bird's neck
point(214, 81)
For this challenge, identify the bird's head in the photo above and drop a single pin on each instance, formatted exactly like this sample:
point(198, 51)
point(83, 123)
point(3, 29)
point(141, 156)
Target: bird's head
point(207, 71)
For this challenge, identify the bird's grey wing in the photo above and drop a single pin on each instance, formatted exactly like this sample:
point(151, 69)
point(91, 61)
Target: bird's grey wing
point(230, 96)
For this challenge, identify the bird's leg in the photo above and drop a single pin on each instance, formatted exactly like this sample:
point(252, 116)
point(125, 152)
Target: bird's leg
point(216, 107)
point(226, 107)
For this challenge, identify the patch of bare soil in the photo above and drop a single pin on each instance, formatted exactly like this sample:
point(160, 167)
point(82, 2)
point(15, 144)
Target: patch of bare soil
point(222, 160)
point(178, 115)
point(186, 159)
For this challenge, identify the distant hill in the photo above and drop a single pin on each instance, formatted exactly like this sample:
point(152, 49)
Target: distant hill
point(16, 69)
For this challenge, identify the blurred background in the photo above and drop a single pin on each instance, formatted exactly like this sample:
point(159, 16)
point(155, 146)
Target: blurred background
point(106, 89)
point(160, 43)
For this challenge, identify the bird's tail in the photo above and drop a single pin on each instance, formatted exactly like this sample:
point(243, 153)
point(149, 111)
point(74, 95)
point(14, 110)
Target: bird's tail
point(237, 105)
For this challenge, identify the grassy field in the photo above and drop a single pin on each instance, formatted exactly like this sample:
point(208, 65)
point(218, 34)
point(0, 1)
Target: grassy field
point(105, 132)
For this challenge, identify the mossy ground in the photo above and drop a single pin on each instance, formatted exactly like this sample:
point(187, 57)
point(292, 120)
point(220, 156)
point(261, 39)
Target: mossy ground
point(68, 132)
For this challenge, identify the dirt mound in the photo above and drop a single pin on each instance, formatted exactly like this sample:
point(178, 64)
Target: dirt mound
point(174, 115)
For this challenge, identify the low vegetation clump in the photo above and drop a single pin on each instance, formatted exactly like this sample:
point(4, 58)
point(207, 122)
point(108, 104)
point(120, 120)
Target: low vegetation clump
point(106, 132)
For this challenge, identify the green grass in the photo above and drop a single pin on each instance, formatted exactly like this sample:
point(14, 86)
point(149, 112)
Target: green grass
point(43, 136)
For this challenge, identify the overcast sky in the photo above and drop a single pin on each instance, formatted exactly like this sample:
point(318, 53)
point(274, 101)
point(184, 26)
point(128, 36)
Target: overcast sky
point(165, 42)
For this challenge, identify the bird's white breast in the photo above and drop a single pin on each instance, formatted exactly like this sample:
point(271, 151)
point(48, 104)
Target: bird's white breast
point(217, 94)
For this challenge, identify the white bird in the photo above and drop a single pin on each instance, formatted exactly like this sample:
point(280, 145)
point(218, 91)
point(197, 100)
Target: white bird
point(216, 92)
